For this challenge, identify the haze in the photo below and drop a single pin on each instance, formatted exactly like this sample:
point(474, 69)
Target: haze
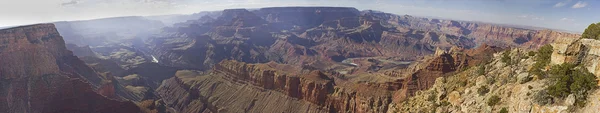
point(571, 15)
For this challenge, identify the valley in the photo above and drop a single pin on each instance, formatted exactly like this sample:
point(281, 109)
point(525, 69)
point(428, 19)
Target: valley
point(282, 59)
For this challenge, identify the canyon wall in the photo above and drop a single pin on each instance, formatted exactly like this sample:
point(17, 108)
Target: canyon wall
point(491, 34)
point(38, 75)
point(585, 52)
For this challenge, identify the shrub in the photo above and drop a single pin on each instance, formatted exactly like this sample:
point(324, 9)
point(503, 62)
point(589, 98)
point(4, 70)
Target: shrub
point(445, 103)
point(592, 31)
point(531, 53)
point(491, 80)
point(493, 100)
point(463, 83)
point(482, 90)
point(541, 60)
point(481, 70)
point(569, 79)
point(504, 110)
point(536, 70)
point(544, 54)
point(583, 82)
point(543, 98)
point(432, 96)
point(506, 58)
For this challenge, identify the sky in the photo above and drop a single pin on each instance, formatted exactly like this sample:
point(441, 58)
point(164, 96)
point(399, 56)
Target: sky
point(570, 15)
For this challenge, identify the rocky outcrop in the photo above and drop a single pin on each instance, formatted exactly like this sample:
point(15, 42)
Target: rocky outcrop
point(299, 88)
point(468, 91)
point(441, 65)
point(585, 52)
point(191, 91)
point(492, 34)
point(81, 51)
point(299, 52)
point(305, 17)
point(39, 75)
point(313, 86)
point(322, 34)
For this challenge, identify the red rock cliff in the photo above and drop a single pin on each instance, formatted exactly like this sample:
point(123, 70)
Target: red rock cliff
point(38, 75)
point(312, 86)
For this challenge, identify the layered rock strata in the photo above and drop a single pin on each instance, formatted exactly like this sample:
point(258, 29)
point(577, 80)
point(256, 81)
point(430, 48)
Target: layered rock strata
point(39, 75)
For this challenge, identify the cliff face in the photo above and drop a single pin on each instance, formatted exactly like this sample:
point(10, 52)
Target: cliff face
point(38, 75)
point(585, 52)
point(81, 51)
point(191, 91)
point(294, 59)
point(492, 34)
point(511, 84)
point(313, 86)
point(443, 64)
point(305, 17)
point(298, 87)
point(322, 34)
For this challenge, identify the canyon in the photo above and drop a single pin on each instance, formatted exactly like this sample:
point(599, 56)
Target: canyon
point(278, 59)
point(39, 75)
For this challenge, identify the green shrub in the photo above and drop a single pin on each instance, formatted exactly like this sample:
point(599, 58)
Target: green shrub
point(536, 70)
point(482, 90)
point(583, 82)
point(491, 80)
point(506, 58)
point(481, 70)
point(463, 83)
point(569, 79)
point(493, 100)
point(541, 60)
point(504, 110)
point(432, 96)
point(445, 103)
point(531, 53)
point(592, 31)
point(542, 97)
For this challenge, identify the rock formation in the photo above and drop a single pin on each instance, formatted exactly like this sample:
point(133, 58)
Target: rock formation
point(299, 59)
point(585, 52)
point(492, 34)
point(39, 75)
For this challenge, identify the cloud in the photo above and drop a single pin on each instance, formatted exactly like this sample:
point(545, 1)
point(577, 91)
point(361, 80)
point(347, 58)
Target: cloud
point(532, 17)
point(561, 4)
point(579, 4)
point(567, 20)
point(72, 2)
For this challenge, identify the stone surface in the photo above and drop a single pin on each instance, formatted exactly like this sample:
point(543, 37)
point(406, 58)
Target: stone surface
point(313, 59)
point(583, 51)
point(39, 75)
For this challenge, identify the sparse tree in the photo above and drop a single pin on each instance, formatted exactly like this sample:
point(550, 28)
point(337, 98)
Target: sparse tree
point(592, 31)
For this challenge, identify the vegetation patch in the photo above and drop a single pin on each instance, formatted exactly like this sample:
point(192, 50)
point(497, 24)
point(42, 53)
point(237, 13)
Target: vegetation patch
point(542, 59)
point(504, 110)
point(481, 70)
point(592, 31)
point(493, 100)
point(506, 58)
point(482, 90)
point(570, 79)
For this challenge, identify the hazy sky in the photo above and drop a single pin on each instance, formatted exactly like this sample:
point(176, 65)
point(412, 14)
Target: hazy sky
point(573, 15)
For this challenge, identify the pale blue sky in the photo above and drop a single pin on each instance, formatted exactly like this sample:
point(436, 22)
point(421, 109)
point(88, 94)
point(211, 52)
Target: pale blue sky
point(572, 15)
